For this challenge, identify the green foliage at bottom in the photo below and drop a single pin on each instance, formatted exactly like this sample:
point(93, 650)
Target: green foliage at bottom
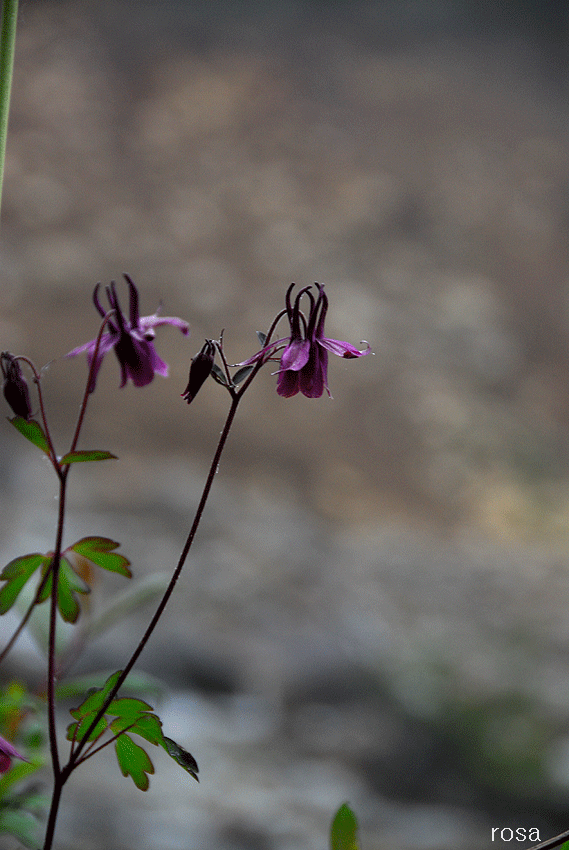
point(22, 806)
point(343, 834)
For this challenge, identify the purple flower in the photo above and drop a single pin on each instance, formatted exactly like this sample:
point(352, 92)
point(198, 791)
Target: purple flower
point(15, 386)
point(7, 753)
point(132, 339)
point(304, 361)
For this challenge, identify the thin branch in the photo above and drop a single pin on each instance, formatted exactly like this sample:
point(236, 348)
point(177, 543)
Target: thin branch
point(552, 842)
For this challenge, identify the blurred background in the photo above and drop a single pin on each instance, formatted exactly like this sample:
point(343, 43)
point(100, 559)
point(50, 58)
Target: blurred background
point(376, 609)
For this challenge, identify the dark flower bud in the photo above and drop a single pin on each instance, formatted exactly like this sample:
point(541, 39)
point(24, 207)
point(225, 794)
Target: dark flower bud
point(15, 386)
point(201, 367)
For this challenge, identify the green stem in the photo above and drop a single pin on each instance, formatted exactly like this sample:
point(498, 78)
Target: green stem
point(7, 48)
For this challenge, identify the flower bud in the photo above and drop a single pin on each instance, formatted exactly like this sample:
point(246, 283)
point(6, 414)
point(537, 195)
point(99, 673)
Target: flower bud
point(201, 367)
point(15, 386)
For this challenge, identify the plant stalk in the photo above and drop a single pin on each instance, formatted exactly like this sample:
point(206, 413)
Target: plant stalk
point(7, 50)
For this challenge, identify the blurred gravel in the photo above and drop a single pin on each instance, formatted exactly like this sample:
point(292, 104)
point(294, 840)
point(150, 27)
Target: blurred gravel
point(375, 609)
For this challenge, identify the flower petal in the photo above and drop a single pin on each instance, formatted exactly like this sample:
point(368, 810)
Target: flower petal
point(313, 378)
point(146, 323)
point(107, 342)
point(288, 383)
point(133, 302)
point(343, 349)
point(296, 354)
point(136, 360)
point(7, 753)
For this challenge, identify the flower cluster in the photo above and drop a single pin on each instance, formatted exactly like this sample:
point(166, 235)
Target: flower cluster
point(303, 362)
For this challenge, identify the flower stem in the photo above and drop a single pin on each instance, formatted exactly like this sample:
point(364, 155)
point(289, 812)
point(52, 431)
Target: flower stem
point(92, 371)
point(54, 808)
point(7, 48)
point(51, 657)
point(63, 773)
point(236, 398)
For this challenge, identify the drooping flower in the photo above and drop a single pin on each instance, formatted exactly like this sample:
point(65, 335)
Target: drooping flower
point(7, 753)
point(304, 361)
point(200, 370)
point(15, 386)
point(131, 338)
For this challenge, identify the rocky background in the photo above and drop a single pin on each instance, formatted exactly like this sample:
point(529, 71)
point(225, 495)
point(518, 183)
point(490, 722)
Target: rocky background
point(376, 607)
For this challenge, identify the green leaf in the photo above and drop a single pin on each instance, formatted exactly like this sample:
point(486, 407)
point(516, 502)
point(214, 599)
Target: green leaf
point(344, 830)
point(130, 715)
point(85, 713)
point(98, 551)
point(261, 337)
point(68, 585)
point(32, 431)
point(77, 731)
point(182, 757)
point(133, 761)
point(16, 574)
point(21, 825)
point(18, 771)
point(128, 708)
point(96, 697)
point(241, 374)
point(148, 726)
point(218, 375)
point(83, 456)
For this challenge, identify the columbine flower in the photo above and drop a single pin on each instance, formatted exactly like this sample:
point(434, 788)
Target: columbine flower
point(7, 753)
point(304, 361)
point(201, 367)
point(15, 386)
point(132, 339)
